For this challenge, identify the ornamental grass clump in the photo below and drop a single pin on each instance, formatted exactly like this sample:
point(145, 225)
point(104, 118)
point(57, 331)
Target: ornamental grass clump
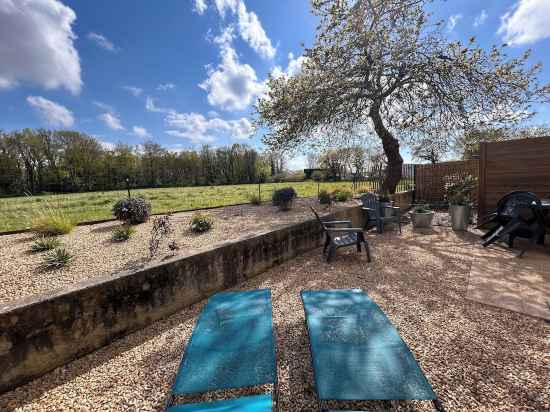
point(56, 259)
point(43, 244)
point(51, 220)
point(132, 210)
point(201, 222)
point(342, 195)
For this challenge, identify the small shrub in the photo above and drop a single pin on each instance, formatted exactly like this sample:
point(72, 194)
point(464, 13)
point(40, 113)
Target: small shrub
point(255, 199)
point(324, 197)
point(56, 258)
point(422, 208)
point(342, 195)
point(162, 227)
point(51, 221)
point(43, 244)
point(122, 233)
point(284, 197)
point(132, 210)
point(201, 222)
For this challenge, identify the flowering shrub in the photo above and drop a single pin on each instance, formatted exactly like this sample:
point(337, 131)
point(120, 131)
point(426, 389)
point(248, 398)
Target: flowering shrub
point(132, 210)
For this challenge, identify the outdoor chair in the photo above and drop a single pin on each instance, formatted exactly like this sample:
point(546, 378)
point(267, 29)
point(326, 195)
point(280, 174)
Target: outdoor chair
point(232, 347)
point(518, 214)
point(357, 354)
point(377, 213)
point(337, 237)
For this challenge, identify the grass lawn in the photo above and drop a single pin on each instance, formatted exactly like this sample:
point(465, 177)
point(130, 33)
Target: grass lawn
point(16, 212)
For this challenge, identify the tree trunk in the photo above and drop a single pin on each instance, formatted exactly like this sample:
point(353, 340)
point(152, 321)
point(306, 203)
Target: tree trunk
point(391, 149)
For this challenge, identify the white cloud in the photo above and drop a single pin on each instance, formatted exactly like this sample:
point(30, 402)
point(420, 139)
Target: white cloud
point(102, 41)
point(103, 106)
point(526, 22)
point(294, 66)
point(453, 20)
point(53, 113)
point(480, 19)
point(37, 45)
point(253, 33)
point(150, 106)
point(200, 7)
point(140, 132)
point(199, 129)
point(223, 5)
point(165, 86)
point(136, 91)
point(232, 86)
point(111, 120)
point(250, 27)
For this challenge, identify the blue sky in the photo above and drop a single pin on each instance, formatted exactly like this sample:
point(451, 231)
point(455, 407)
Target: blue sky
point(187, 72)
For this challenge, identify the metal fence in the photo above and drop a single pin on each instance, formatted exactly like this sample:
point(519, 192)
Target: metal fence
point(372, 179)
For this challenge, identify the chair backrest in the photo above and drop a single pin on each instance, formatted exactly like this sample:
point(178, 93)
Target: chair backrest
point(371, 201)
point(318, 218)
point(519, 204)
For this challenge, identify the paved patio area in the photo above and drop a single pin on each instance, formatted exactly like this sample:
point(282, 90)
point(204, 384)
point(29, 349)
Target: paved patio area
point(501, 279)
point(476, 356)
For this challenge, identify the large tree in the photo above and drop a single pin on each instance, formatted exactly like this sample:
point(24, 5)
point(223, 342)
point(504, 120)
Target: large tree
point(383, 63)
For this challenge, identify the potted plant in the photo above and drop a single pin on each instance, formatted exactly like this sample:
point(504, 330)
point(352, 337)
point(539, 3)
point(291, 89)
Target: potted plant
point(385, 204)
point(459, 195)
point(284, 198)
point(422, 216)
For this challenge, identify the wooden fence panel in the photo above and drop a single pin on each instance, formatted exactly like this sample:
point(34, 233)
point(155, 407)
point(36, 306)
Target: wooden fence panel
point(522, 164)
point(430, 179)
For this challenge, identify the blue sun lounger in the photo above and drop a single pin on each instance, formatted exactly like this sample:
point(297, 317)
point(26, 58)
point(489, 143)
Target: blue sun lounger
point(357, 353)
point(232, 347)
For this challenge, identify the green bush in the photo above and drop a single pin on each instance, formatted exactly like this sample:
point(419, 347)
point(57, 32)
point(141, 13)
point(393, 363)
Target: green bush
point(342, 195)
point(56, 258)
point(42, 244)
point(324, 197)
point(122, 233)
point(284, 197)
point(255, 199)
point(201, 222)
point(132, 210)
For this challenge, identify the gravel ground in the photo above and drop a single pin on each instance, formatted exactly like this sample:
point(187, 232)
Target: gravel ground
point(95, 254)
point(477, 357)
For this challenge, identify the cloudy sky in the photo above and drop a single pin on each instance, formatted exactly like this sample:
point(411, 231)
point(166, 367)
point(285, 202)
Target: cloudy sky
point(187, 72)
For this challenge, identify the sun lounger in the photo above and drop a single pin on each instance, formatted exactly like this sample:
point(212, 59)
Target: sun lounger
point(232, 347)
point(357, 353)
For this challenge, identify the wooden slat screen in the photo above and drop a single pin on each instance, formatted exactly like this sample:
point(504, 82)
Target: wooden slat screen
point(522, 164)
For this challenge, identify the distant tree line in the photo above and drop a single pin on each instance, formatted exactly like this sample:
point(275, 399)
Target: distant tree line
point(37, 161)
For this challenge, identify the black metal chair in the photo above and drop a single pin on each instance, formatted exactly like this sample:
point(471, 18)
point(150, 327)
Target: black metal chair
point(337, 237)
point(518, 214)
point(377, 212)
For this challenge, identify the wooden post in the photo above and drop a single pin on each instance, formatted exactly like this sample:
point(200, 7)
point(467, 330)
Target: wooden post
point(482, 183)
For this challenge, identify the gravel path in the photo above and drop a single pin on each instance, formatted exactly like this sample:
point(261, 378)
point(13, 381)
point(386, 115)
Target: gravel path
point(96, 254)
point(477, 357)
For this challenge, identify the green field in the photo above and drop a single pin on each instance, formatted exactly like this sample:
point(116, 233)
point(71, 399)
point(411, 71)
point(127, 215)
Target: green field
point(15, 212)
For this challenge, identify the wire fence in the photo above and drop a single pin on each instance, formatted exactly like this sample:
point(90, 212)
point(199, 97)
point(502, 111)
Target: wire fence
point(372, 179)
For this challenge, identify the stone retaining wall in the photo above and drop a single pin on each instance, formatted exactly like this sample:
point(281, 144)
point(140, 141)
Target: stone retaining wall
point(40, 333)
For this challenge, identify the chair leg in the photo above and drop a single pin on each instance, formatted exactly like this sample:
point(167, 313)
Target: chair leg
point(358, 244)
point(326, 245)
point(490, 232)
point(331, 252)
point(367, 249)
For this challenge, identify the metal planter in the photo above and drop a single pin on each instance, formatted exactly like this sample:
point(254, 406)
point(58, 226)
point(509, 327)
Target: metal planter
point(422, 220)
point(460, 217)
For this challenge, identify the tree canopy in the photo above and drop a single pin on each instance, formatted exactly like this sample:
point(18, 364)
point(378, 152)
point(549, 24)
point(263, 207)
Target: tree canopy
point(384, 64)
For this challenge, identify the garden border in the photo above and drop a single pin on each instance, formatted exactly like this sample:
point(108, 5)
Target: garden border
point(41, 332)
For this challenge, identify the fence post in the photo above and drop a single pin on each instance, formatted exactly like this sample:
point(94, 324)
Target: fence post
point(414, 184)
point(481, 195)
